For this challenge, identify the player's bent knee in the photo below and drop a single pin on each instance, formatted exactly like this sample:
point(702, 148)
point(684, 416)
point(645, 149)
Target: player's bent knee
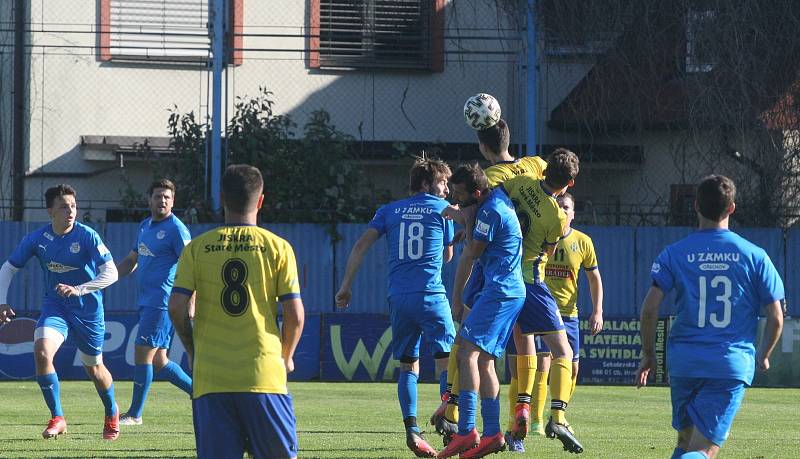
point(90, 360)
point(48, 333)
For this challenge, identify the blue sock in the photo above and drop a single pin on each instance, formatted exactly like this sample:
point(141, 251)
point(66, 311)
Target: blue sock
point(142, 378)
point(407, 393)
point(490, 412)
point(51, 390)
point(467, 407)
point(442, 382)
point(107, 396)
point(173, 373)
point(677, 453)
point(694, 455)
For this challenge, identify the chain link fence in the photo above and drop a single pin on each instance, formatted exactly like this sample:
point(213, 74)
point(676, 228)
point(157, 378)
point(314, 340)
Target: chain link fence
point(103, 78)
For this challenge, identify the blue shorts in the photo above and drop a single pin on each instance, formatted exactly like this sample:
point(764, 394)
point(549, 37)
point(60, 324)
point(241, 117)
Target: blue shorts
point(155, 328)
point(540, 314)
point(489, 323)
point(474, 286)
point(227, 424)
point(89, 332)
point(572, 325)
point(707, 404)
point(417, 313)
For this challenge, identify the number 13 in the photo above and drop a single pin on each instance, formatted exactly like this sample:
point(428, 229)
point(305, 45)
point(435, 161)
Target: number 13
point(725, 298)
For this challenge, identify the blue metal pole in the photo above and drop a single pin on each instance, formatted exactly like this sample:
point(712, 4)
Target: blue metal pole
point(532, 66)
point(217, 10)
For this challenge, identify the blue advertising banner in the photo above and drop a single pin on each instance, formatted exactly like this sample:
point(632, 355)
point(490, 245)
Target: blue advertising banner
point(612, 356)
point(16, 350)
point(357, 347)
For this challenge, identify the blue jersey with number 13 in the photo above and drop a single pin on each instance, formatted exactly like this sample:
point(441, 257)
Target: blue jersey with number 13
point(722, 281)
point(416, 235)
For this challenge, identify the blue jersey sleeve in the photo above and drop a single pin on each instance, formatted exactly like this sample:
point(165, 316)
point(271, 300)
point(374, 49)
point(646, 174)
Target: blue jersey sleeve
point(23, 252)
point(180, 238)
point(98, 250)
point(135, 247)
point(661, 272)
point(770, 286)
point(486, 225)
point(378, 222)
point(449, 232)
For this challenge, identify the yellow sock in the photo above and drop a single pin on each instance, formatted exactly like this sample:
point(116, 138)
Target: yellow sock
point(526, 371)
point(512, 402)
point(451, 410)
point(574, 384)
point(539, 396)
point(560, 388)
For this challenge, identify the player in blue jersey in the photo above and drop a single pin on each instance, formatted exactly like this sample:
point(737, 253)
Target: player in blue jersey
point(154, 257)
point(722, 282)
point(419, 240)
point(486, 328)
point(77, 266)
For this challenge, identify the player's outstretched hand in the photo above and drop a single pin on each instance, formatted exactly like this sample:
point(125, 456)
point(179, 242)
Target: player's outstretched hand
point(596, 323)
point(6, 313)
point(66, 290)
point(648, 363)
point(343, 298)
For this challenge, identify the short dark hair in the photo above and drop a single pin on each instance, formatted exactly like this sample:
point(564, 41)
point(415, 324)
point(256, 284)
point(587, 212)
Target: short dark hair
point(566, 195)
point(562, 166)
point(59, 190)
point(496, 138)
point(426, 170)
point(242, 184)
point(715, 194)
point(162, 183)
point(471, 176)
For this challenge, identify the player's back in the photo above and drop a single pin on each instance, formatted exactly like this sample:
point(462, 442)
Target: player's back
point(505, 170)
point(722, 281)
point(497, 225)
point(541, 220)
point(574, 251)
point(238, 273)
point(416, 235)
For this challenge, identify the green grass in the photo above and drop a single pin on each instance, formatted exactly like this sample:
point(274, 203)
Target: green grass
point(363, 420)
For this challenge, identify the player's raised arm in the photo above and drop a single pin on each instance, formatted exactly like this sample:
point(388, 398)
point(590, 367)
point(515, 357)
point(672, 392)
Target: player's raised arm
point(648, 323)
point(345, 294)
point(772, 332)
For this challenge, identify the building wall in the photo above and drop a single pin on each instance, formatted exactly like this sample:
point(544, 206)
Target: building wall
point(72, 93)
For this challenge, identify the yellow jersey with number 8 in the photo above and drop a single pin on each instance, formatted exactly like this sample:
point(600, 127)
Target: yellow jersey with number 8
point(238, 273)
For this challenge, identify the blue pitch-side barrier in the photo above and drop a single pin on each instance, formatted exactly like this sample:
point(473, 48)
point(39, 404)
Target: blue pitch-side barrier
point(357, 347)
point(625, 255)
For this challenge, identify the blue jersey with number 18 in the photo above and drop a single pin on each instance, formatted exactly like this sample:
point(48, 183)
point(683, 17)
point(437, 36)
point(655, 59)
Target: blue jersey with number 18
point(722, 281)
point(416, 235)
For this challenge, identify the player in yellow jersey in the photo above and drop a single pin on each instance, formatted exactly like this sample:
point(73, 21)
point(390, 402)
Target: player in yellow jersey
point(543, 223)
point(238, 273)
point(493, 143)
point(574, 251)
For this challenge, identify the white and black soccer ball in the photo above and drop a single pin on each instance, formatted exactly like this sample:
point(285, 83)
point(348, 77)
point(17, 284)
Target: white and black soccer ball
point(481, 111)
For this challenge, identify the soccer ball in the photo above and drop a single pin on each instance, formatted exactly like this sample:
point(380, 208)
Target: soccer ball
point(481, 111)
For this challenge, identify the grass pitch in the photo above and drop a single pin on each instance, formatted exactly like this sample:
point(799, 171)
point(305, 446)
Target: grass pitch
point(338, 420)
